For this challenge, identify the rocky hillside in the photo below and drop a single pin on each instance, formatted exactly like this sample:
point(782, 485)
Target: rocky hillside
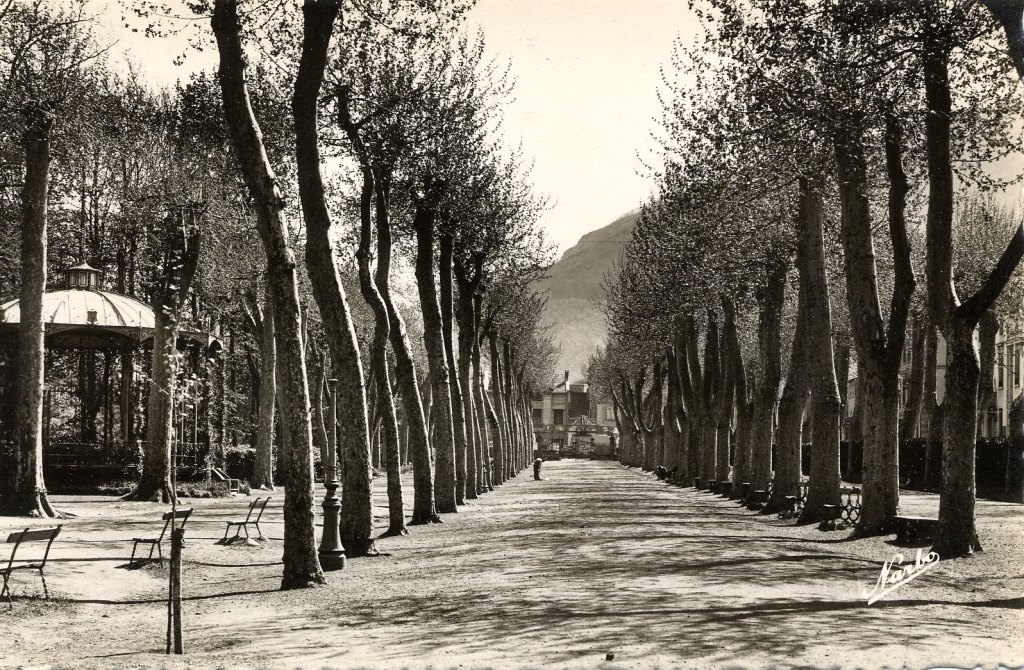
point(575, 292)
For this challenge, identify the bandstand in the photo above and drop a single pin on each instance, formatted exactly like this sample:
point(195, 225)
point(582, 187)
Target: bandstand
point(98, 349)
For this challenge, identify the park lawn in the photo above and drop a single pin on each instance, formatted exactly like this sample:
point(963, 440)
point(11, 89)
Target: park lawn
point(596, 559)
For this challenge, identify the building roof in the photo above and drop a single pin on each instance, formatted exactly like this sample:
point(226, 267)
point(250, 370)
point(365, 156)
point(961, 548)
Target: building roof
point(71, 308)
point(82, 266)
point(117, 321)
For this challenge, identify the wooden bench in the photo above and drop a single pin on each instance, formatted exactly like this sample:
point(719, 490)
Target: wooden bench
point(832, 516)
point(790, 505)
point(243, 524)
point(744, 492)
point(711, 485)
point(915, 529)
point(156, 542)
point(725, 488)
point(220, 476)
point(27, 535)
point(757, 499)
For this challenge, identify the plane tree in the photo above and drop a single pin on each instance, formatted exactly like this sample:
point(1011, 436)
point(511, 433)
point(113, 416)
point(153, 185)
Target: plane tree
point(46, 58)
point(496, 234)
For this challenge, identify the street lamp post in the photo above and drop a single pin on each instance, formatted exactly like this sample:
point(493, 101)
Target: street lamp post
point(332, 555)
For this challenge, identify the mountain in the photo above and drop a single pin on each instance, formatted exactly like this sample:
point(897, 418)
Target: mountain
point(575, 291)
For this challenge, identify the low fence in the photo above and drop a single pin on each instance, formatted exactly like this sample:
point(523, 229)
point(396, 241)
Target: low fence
point(999, 470)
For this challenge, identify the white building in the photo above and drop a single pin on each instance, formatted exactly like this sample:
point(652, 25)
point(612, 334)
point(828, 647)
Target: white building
point(1006, 381)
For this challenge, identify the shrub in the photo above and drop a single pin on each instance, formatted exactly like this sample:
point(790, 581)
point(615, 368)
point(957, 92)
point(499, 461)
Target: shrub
point(203, 489)
point(240, 462)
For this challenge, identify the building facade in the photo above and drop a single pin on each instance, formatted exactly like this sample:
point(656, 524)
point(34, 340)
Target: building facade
point(1006, 382)
point(566, 417)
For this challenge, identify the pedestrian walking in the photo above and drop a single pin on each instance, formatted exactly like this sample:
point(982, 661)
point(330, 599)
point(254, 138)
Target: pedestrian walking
point(536, 468)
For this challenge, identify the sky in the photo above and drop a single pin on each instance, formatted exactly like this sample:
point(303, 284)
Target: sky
point(585, 102)
point(586, 98)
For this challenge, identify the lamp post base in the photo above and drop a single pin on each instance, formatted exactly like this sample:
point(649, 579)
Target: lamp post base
point(331, 553)
point(331, 560)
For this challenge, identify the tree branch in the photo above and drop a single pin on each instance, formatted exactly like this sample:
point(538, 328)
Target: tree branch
point(977, 304)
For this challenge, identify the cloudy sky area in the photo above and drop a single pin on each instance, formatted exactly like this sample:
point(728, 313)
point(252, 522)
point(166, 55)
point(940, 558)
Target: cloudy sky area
point(587, 75)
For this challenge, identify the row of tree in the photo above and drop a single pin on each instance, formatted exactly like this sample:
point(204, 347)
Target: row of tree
point(803, 142)
point(381, 121)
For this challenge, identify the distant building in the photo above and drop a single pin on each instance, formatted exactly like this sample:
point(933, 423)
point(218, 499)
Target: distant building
point(1006, 382)
point(566, 417)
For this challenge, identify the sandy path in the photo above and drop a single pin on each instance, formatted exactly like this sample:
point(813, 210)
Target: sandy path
point(595, 559)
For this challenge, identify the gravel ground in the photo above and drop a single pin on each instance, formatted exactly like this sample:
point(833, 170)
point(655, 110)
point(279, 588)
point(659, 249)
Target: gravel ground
point(596, 559)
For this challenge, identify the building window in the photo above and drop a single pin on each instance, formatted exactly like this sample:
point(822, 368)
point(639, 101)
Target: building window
point(538, 416)
point(1000, 364)
point(559, 416)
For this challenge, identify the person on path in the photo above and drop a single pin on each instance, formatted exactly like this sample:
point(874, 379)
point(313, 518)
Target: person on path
point(536, 468)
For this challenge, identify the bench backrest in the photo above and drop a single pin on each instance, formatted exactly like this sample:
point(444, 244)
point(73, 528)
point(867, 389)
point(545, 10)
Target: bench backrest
point(28, 535)
point(262, 507)
point(182, 514)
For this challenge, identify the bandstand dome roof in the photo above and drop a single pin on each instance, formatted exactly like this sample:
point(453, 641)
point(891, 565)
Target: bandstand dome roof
point(86, 319)
point(83, 317)
point(72, 307)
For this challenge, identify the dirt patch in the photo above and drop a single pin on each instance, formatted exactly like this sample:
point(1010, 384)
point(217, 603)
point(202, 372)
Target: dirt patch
point(596, 559)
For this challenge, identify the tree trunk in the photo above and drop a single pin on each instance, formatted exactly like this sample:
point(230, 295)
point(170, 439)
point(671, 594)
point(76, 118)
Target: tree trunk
point(879, 347)
point(857, 420)
point(510, 457)
point(916, 381)
point(791, 410)
point(301, 564)
point(671, 416)
point(725, 401)
point(936, 419)
point(387, 414)
point(263, 459)
point(467, 338)
point(487, 436)
point(500, 469)
point(493, 412)
point(744, 405)
point(155, 482)
point(423, 510)
point(433, 339)
point(842, 364)
point(180, 263)
point(769, 340)
point(444, 266)
point(712, 389)
point(824, 476)
point(988, 327)
point(319, 424)
point(957, 534)
point(26, 494)
point(691, 381)
point(653, 424)
point(356, 527)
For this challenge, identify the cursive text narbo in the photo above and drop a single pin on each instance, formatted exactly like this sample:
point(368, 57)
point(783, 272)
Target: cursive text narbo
point(895, 574)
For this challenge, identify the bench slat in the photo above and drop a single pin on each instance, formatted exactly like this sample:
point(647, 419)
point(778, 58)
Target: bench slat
point(40, 534)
